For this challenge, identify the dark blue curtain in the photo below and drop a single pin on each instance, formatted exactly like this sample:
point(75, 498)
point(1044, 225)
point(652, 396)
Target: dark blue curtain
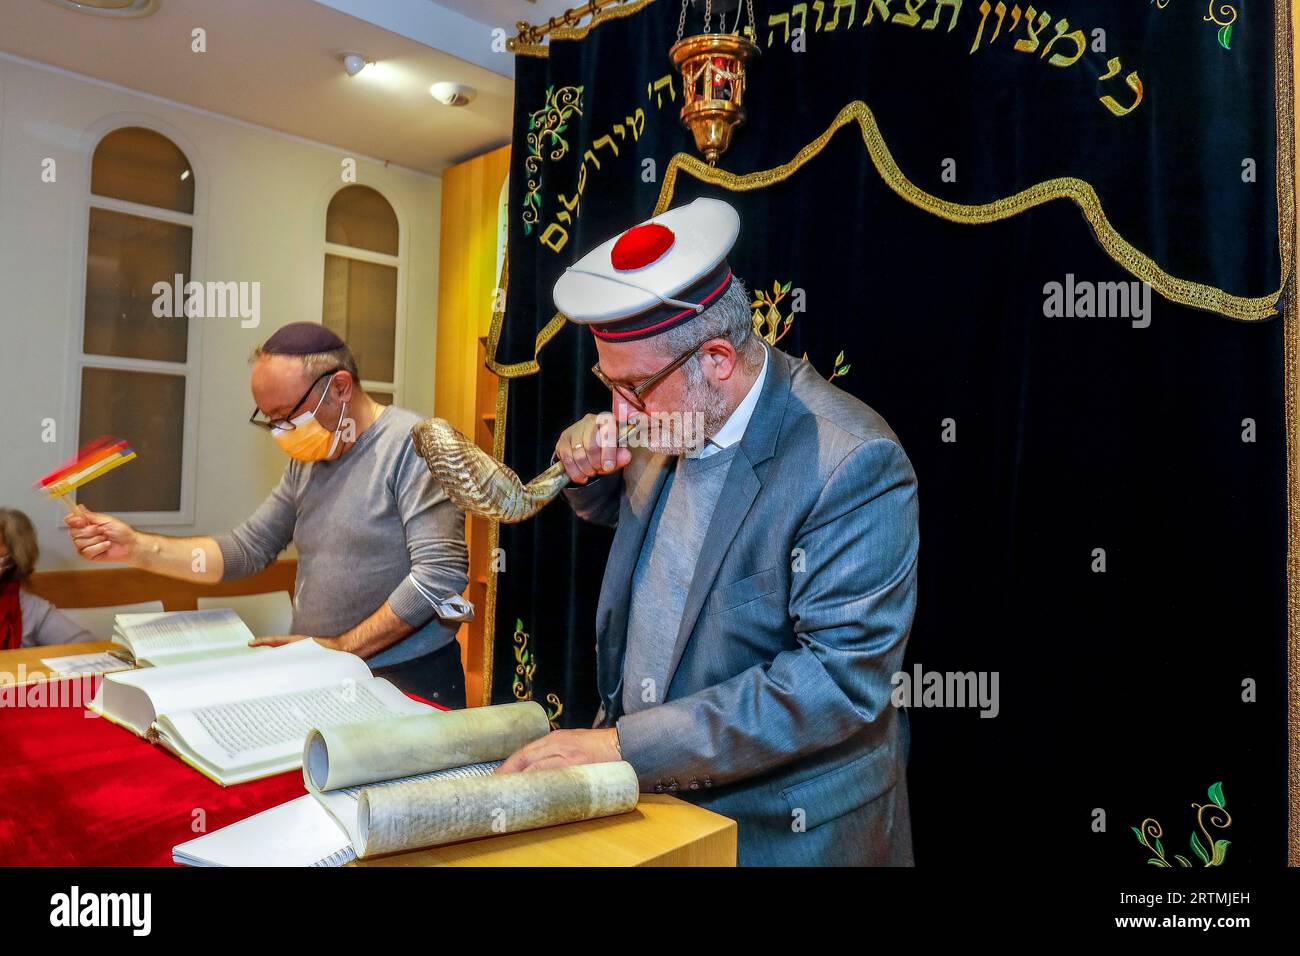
point(1042, 442)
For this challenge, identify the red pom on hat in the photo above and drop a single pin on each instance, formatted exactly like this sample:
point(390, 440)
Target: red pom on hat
point(640, 246)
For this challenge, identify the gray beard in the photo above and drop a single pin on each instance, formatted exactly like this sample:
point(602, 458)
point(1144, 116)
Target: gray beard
point(701, 398)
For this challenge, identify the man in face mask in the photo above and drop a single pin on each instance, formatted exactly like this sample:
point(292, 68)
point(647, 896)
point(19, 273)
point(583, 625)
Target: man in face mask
point(382, 559)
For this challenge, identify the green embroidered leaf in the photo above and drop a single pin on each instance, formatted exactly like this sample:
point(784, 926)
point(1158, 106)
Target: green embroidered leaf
point(1220, 852)
point(1154, 862)
point(1159, 847)
point(519, 624)
point(1199, 849)
point(789, 318)
point(843, 370)
point(1225, 35)
point(839, 359)
point(1182, 859)
point(1138, 833)
point(786, 287)
point(1216, 793)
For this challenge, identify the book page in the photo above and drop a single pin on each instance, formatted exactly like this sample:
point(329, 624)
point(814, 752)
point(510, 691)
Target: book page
point(81, 664)
point(155, 637)
point(266, 734)
point(297, 833)
point(350, 754)
point(295, 666)
point(136, 698)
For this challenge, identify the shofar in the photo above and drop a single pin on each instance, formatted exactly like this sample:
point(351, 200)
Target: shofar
point(479, 483)
point(421, 813)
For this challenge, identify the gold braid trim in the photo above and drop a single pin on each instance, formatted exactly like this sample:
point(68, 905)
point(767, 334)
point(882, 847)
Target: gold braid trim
point(1292, 352)
point(499, 453)
point(1284, 77)
point(1084, 196)
point(494, 542)
point(521, 46)
point(529, 366)
point(1141, 266)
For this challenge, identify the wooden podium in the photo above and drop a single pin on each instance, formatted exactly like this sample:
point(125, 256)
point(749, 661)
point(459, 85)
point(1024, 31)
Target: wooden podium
point(661, 831)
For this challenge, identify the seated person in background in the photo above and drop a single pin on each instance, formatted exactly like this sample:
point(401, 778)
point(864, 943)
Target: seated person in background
point(381, 550)
point(25, 619)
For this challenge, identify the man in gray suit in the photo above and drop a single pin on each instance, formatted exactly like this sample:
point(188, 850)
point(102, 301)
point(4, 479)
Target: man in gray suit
point(760, 587)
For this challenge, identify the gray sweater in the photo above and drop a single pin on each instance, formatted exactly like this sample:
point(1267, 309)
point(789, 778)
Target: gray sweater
point(371, 526)
point(664, 572)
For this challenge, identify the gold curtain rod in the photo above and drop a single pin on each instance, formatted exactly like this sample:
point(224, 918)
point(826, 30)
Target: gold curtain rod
point(530, 34)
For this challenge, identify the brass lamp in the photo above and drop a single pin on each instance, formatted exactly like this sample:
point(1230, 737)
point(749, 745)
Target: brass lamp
point(713, 68)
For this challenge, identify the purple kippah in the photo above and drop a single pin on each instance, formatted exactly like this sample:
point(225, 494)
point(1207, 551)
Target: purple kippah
point(302, 338)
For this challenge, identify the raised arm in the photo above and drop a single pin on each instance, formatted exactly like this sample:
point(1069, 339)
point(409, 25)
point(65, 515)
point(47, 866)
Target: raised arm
point(257, 542)
point(101, 537)
point(597, 501)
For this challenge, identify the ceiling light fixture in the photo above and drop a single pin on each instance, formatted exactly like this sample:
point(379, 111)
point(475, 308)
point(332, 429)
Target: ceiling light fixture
point(452, 94)
point(354, 63)
point(109, 8)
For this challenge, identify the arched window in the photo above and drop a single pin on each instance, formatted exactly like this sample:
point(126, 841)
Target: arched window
point(363, 294)
point(137, 361)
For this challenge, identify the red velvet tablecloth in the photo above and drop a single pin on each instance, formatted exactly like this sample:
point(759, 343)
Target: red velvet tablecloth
point(77, 790)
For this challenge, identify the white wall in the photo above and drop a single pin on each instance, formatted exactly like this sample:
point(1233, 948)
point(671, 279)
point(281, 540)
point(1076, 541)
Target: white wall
point(265, 196)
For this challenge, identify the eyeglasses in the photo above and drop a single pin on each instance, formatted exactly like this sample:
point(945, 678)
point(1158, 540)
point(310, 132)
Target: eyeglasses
point(633, 394)
point(285, 424)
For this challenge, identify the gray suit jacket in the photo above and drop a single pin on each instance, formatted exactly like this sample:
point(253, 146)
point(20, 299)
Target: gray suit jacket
point(777, 712)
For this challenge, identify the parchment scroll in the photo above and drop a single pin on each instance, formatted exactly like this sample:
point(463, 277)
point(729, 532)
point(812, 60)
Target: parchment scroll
point(369, 751)
point(421, 813)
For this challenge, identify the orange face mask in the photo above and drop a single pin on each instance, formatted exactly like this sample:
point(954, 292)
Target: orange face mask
point(309, 440)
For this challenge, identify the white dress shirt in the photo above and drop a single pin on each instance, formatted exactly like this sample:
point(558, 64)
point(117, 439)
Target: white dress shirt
point(733, 429)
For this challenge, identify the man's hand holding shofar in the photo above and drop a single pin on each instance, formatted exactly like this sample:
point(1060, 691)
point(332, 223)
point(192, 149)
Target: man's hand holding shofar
point(589, 448)
point(565, 748)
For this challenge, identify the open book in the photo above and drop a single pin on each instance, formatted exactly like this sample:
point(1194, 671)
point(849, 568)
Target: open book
point(297, 833)
point(417, 781)
point(176, 637)
point(237, 718)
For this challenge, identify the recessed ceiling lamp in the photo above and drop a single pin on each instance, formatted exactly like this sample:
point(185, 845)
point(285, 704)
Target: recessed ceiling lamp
point(452, 94)
point(354, 63)
point(109, 8)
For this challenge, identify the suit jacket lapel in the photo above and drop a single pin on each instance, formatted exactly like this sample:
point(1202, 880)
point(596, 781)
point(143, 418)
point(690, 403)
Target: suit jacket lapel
point(739, 490)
